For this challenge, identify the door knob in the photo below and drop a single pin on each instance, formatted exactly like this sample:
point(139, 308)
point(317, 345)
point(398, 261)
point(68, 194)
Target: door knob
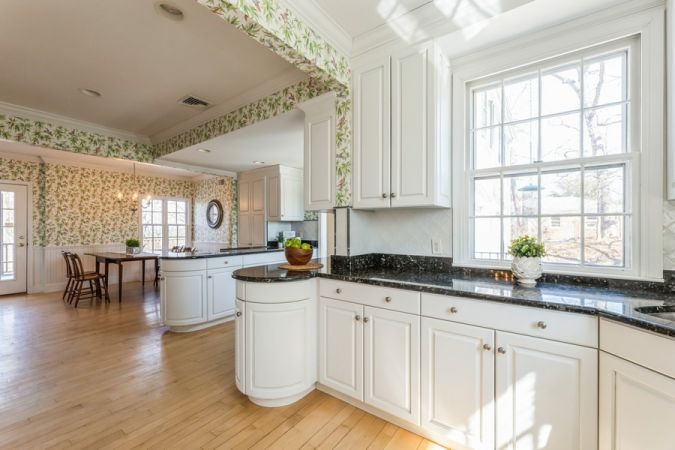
point(501, 350)
point(338, 291)
point(384, 195)
point(357, 317)
point(487, 347)
point(453, 310)
point(21, 244)
point(387, 299)
point(238, 314)
point(541, 325)
point(365, 320)
point(393, 195)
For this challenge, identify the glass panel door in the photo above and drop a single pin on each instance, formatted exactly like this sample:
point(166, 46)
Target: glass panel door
point(13, 238)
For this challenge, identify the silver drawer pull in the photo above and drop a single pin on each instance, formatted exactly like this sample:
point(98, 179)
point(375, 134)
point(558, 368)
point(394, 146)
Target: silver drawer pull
point(487, 347)
point(387, 299)
point(384, 195)
point(357, 317)
point(365, 320)
point(541, 325)
point(338, 291)
point(501, 350)
point(453, 310)
point(238, 314)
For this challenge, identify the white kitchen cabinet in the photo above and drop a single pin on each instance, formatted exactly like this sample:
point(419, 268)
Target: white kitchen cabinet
point(319, 152)
point(183, 297)
point(221, 292)
point(252, 210)
point(546, 394)
point(240, 346)
point(391, 362)
point(637, 406)
point(285, 195)
point(279, 359)
point(341, 346)
point(372, 136)
point(458, 383)
point(401, 123)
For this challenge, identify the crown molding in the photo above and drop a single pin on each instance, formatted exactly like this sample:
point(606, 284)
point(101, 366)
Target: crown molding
point(55, 119)
point(287, 78)
point(322, 23)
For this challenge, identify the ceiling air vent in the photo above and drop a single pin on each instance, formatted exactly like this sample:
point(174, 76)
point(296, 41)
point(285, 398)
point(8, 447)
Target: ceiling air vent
point(194, 102)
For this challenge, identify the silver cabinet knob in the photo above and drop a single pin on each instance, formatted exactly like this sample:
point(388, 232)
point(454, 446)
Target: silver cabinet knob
point(393, 195)
point(365, 320)
point(238, 314)
point(357, 317)
point(209, 277)
point(487, 347)
point(226, 262)
point(541, 325)
point(338, 291)
point(21, 244)
point(387, 299)
point(384, 195)
point(501, 350)
point(453, 310)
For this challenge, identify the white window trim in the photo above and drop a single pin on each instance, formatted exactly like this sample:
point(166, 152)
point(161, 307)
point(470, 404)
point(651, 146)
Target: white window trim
point(165, 227)
point(560, 40)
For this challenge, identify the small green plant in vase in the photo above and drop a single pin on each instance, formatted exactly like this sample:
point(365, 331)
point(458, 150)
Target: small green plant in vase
point(133, 246)
point(526, 266)
point(280, 239)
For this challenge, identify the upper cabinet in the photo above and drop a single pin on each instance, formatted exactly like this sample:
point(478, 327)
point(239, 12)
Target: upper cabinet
point(252, 206)
point(319, 162)
point(401, 129)
point(284, 195)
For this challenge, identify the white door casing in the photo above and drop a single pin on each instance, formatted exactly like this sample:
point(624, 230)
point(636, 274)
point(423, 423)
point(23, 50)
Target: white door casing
point(13, 238)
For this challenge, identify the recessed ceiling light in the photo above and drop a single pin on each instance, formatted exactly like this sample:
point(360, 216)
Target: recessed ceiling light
point(89, 92)
point(204, 150)
point(258, 162)
point(169, 11)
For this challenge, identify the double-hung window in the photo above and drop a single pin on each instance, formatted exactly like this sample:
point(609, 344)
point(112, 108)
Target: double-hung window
point(164, 224)
point(554, 154)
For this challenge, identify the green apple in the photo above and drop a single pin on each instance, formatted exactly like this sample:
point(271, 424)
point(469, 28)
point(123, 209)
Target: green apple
point(306, 246)
point(288, 243)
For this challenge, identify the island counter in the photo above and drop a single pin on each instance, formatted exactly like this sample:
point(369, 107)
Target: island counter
point(198, 291)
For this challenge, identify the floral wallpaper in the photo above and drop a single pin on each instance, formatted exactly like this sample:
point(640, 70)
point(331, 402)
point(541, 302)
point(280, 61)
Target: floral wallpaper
point(277, 28)
point(223, 189)
point(44, 134)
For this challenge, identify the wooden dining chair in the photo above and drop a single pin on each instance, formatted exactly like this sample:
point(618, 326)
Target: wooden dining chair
point(69, 275)
point(93, 279)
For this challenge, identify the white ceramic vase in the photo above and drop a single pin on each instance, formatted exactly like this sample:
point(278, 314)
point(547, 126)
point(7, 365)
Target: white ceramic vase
point(527, 270)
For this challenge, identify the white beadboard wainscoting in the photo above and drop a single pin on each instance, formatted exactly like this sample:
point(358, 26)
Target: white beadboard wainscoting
point(49, 268)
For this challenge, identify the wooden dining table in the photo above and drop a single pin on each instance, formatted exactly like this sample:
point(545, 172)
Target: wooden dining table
point(107, 258)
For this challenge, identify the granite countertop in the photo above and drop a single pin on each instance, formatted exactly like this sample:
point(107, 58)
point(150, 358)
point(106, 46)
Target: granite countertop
point(611, 302)
point(220, 254)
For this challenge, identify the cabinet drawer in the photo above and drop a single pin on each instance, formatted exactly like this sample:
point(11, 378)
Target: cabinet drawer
point(284, 292)
point(561, 326)
point(182, 265)
point(219, 263)
point(381, 297)
point(261, 259)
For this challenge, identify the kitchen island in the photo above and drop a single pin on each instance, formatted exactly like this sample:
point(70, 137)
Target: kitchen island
point(197, 290)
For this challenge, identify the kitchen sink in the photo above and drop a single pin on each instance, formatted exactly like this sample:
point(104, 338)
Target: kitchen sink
point(662, 312)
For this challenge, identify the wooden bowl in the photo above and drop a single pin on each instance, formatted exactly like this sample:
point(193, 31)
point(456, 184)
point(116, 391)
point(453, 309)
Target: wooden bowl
point(297, 256)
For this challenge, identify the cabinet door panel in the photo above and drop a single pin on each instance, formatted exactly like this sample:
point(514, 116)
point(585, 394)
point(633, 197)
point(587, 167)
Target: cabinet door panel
point(341, 347)
point(279, 359)
point(637, 406)
point(546, 394)
point(184, 297)
point(458, 383)
point(222, 293)
point(392, 365)
point(258, 195)
point(372, 149)
point(244, 196)
point(258, 230)
point(273, 203)
point(291, 199)
point(320, 160)
point(411, 145)
point(244, 229)
point(240, 346)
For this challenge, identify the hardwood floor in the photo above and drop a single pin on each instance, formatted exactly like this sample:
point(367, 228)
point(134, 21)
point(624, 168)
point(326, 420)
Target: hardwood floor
point(110, 376)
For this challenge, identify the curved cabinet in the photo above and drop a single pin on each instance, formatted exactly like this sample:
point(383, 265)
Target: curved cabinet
point(183, 297)
point(277, 336)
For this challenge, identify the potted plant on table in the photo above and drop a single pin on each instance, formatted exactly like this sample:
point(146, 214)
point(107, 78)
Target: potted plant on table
point(280, 239)
point(526, 265)
point(133, 246)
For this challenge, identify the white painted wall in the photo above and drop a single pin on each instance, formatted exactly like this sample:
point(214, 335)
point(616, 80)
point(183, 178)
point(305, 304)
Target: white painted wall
point(401, 231)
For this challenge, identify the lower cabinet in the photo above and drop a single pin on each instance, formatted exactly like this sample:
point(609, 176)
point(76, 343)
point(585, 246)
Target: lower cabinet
point(222, 292)
point(280, 349)
point(458, 383)
point(372, 355)
point(637, 406)
point(391, 362)
point(183, 296)
point(546, 394)
point(240, 346)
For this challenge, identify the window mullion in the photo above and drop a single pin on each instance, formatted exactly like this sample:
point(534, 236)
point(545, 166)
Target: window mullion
point(582, 235)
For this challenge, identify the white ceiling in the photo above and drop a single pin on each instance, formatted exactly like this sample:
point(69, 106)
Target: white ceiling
point(16, 150)
point(360, 16)
point(278, 140)
point(140, 61)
